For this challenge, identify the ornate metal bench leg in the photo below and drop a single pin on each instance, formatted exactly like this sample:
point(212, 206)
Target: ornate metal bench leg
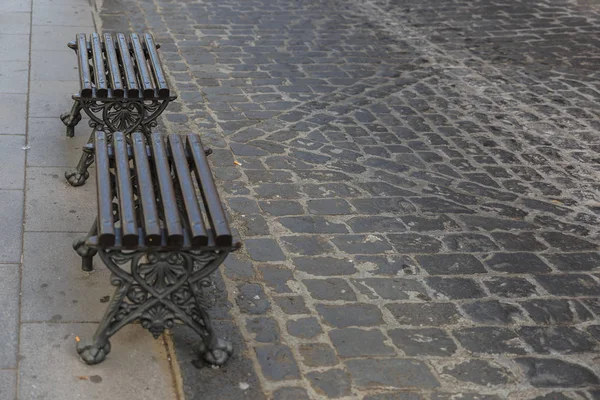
point(87, 253)
point(80, 174)
point(72, 118)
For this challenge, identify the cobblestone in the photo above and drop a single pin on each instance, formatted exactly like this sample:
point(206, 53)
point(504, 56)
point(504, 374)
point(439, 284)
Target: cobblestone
point(412, 180)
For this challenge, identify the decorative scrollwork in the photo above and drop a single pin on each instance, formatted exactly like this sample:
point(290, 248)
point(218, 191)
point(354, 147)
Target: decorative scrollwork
point(157, 319)
point(162, 270)
point(122, 116)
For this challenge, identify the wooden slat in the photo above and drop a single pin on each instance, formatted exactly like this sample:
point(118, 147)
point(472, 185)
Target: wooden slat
point(146, 190)
point(106, 223)
point(157, 72)
point(99, 71)
point(116, 84)
point(128, 67)
point(209, 192)
point(125, 191)
point(186, 185)
point(85, 78)
point(167, 192)
point(142, 67)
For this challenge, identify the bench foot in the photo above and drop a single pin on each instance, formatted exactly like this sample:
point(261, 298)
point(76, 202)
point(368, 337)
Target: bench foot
point(72, 118)
point(80, 174)
point(93, 353)
point(216, 353)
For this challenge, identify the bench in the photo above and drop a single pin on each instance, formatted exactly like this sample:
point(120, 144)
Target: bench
point(122, 87)
point(161, 231)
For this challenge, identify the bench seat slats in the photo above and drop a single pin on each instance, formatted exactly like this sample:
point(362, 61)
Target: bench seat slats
point(167, 192)
point(186, 186)
point(157, 71)
point(113, 66)
point(146, 190)
point(124, 186)
point(128, 68)
point(106, 223)
point(209, 192)
point(99, 72)
point(142, 66)
point(85, 78)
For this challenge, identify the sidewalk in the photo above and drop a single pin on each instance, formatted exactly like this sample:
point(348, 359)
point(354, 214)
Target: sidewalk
point(41, 215)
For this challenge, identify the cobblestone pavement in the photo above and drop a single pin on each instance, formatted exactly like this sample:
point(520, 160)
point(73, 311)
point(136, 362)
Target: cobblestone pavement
point(416, 186)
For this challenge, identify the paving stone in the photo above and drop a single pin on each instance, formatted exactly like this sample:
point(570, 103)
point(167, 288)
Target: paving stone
point(450, 264)
point(510, 287)
point(8, 384)
point(425, 341)
point(306, 328)
point(330, 289)
point(237, 268)
point(329, 207)
point(391, 288)
point(492, 312)
point(394, 396)
point(317, 355)
point(14, 47)
point(395, 373)
point(479, 372)
point(264, 250)
point(561, 339)
point(455, 288)
point(324, 266)
point(465, 396)
point(15, 23)
point(290, 393)
point(554, 311)
point(375, 206)
point(376, 224)
point(352, 342)
point(552, 372)
point(276, 277)
point(307, 245)
point(516, 263)
point(265, 329)
point(426, 223)
point(569, 284)
point(362, 244)
point(251, 299)
point(566, 242)
point(63, 15)
point(12, 114)
point(490, 340)
point(424, 314)
point(277, 362)
point(410, 243)
point(14, 77)
point(13, 171)
point(281, 207)
point(48, 358)
point(476, 222)
point(292, 304)
point(351, 314)
point(11, 226)
point(307, 224)
point(574, 261)
point(469, 242)
point(333, 383)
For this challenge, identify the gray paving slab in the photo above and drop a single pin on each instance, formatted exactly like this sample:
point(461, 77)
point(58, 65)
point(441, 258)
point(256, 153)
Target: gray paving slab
point(12, 114)
point(8, 384)
point(62, 15)
point(51, 99)
point(53, 205)
point(14, 47)
point(11, 225)
point(51, 147)
point(9, 315)
point(50, 368)
point(53, 286)
point(46, 3)
point(53, 65)
point(15, 6)
point(15, 22)
point(44, 37)
point(14, 76)
point(12, 173)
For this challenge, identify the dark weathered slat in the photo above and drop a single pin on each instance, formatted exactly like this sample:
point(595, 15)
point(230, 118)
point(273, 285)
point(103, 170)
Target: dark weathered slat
point(186, 185)
point(146, 190)
point(116, 84)
point(167, 192)
point(85, 78)
point(106, 222)
point(209, 192)
point(157, 72)
point(99, 71)
point(127, 217)
point(142, 67)
point(128, 67)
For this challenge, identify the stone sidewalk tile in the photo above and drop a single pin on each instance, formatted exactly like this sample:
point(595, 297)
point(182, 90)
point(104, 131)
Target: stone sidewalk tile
point(15, 6)
point(9, 314)
point(62, 15)
point(12, 174)
point(54, 288)
point(8, 384)
point(13, 114)
point(50, 99)
point(11, 225)
point(44, 37)
point(54, 205)
point(14, 47)
point(15, 23)
point(136, 368)
point(54, 65)
point(50, 147)
point(13, 77)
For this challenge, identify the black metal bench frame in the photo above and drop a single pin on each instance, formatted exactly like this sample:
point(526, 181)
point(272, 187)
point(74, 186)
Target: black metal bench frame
point(151, 233)
point(122, 88)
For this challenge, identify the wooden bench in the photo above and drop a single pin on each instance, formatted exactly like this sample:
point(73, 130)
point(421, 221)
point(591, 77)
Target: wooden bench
point(122, 87)
point(161, 231)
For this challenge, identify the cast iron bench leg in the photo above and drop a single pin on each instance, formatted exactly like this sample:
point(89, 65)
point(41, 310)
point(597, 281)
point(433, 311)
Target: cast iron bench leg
point(87, 253)
point(72, 118)
point(80, 174)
